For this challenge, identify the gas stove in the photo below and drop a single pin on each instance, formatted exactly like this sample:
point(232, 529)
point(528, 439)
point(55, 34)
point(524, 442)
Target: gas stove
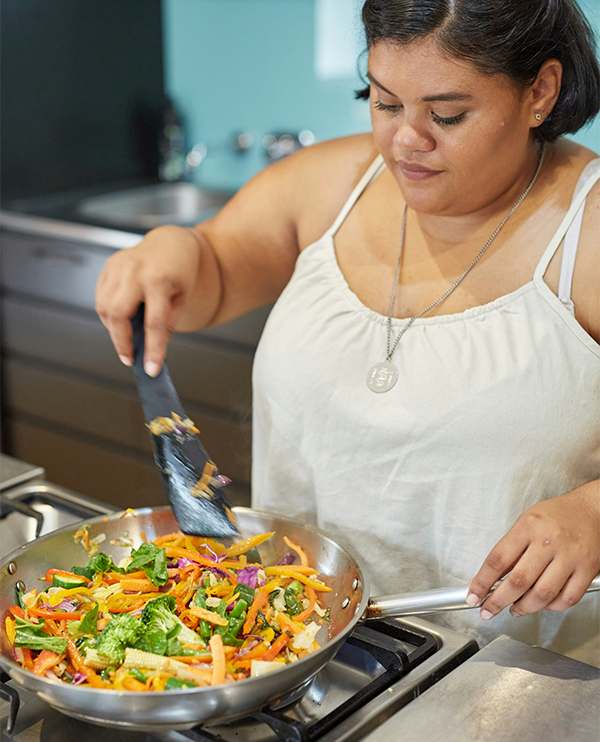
point(380, 669)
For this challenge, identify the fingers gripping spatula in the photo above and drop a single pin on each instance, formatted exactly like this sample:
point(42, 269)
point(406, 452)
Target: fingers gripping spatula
point(193, 484)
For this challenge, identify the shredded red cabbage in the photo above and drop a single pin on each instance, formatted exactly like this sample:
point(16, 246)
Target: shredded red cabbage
point(217, 571)
point(288, 558)
point(251, 645)
point(248, 576)
point(78, 678)
point(220, 481)
point(215, 557)
point(67, 606)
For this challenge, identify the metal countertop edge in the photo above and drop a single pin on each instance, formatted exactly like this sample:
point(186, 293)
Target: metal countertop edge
point(30, 224)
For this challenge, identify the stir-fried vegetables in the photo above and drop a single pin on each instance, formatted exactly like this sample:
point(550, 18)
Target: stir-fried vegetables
point(183, 612)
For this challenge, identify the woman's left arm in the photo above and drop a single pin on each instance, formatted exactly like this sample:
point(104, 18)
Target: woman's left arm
point(550, 556)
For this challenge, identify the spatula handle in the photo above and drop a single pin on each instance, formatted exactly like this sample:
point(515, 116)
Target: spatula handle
point(431, 601)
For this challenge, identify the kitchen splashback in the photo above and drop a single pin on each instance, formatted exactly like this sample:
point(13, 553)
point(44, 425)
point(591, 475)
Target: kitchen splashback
point(259, 66)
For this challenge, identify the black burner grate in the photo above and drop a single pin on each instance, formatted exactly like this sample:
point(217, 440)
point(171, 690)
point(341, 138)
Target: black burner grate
point(386, 642)
point(12, 696)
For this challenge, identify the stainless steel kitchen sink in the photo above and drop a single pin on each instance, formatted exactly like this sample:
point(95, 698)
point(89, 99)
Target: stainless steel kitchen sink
point(154, 205)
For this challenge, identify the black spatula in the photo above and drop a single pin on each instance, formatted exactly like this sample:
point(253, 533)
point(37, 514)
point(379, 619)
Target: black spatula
point(193, 485)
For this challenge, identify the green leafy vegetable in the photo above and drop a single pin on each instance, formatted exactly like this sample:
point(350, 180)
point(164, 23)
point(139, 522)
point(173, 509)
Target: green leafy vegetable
point(19, 593)
point(32, 636)
point(152, 560)
point(101, 562)
point(253, 556)
point(88, 623)
point(246, 592)
point(176, 684)
point(290, 596)
point(155, 643)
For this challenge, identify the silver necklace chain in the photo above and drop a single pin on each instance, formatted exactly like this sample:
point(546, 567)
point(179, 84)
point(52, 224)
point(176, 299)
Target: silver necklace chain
point(515, 206)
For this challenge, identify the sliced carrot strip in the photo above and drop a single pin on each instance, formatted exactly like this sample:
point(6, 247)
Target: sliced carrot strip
point(312, 598)
point(118, 577)
point(287, 624)
point(298, 550)
point(216, 647)
point(55, 615)
point(275, 648)
point(92, 677)
point(27, 657)
point(138, 586)
point(209, 616)
point(261, 598)
point(45, 660)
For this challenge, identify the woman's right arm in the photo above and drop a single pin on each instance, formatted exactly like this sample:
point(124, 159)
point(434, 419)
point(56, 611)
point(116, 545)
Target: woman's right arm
point(190, 278)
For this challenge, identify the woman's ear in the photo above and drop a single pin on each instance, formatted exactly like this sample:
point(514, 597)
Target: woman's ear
point(544, 92)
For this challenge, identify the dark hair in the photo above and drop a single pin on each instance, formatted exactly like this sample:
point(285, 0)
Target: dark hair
point(510, 37)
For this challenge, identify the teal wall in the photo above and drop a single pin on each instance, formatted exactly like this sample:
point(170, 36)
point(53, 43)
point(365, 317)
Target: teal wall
point(590, 136)
point(249, 65)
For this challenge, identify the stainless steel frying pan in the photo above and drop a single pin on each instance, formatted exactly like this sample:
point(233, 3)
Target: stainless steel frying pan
point(348, 600)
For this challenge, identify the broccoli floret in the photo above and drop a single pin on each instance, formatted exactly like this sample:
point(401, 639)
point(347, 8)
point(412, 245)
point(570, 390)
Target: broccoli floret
point(158, 616)
point(121, 631)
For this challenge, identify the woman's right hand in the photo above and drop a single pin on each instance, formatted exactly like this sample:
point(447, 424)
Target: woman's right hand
point(161, 271)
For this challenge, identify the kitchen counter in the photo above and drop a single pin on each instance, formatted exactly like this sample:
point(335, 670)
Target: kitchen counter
point(60, 212)
point(14, 472)
point(57, 217)
point(508, 691)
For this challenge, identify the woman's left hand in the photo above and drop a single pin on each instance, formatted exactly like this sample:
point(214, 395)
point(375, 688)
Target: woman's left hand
point(550, 555)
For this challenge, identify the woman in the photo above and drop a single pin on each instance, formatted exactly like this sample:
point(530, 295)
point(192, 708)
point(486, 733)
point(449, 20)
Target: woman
point(464, 443)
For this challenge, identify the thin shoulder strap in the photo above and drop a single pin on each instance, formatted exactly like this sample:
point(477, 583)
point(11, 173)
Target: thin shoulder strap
point(376, 167)
point(567, 266)
point(576, 204)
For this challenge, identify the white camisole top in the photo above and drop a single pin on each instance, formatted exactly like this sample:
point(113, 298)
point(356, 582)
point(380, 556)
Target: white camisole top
point(495, 409)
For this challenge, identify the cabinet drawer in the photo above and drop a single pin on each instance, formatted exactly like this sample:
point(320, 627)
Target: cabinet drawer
point(67, 272)
point(115, 415)
point(209, 375)
point(52, 269)
point(108, 476)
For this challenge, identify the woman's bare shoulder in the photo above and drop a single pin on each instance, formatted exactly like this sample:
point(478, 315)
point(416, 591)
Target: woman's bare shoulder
point(324, 175)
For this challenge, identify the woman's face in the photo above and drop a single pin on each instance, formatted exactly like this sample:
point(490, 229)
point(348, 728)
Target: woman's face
point(455, 140)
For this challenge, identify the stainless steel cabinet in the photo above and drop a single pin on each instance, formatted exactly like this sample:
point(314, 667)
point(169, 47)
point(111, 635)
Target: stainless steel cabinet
point(70, 406)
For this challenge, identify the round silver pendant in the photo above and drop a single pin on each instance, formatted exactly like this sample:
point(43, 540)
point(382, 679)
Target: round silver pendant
point(382, 377)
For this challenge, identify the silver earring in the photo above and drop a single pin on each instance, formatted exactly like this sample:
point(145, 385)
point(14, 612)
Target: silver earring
point(538, 116)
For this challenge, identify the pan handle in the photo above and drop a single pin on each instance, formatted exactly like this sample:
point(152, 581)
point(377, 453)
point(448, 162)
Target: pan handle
point(431, 601)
